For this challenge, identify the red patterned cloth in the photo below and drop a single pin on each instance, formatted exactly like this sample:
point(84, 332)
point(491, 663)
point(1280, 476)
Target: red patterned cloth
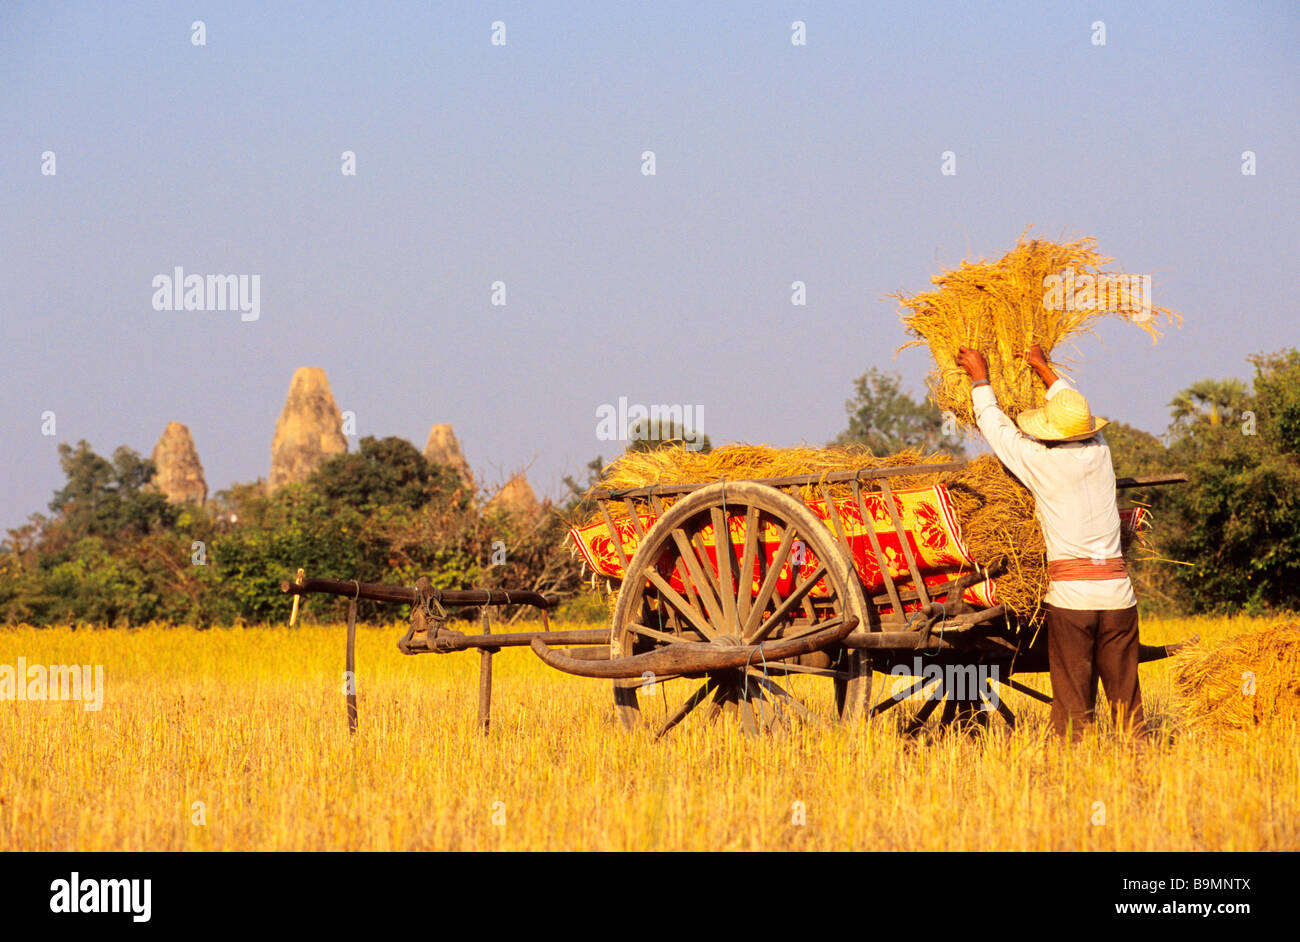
point(929, 525)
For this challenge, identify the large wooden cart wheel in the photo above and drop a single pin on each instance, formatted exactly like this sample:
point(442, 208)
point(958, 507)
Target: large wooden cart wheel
point(783, 575)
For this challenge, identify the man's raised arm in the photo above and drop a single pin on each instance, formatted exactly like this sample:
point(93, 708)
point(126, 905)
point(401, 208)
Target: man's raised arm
point(1037, 361)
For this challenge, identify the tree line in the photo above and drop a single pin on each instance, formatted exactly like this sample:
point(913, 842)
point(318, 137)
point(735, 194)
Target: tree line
point(113, 551)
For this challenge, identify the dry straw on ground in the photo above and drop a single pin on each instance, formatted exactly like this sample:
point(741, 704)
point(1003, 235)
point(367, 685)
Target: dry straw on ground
point(1244, 683)
point(998, 308)
point(995, 510)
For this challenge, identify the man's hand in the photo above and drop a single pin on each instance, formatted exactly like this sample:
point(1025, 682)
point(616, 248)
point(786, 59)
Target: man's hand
point(1037, 360)
point(1035, 357)
point(974, 363)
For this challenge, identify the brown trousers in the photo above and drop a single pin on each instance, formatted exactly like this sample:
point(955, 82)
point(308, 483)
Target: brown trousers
point(1082, 647)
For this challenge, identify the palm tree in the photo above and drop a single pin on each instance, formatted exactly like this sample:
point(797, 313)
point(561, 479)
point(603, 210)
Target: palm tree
point(1210, 402)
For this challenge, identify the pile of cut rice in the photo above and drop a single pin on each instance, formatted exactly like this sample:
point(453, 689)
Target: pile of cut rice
point(1245, 683)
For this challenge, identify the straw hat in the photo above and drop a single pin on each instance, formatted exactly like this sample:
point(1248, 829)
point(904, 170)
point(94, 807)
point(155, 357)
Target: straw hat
point(1065, 418)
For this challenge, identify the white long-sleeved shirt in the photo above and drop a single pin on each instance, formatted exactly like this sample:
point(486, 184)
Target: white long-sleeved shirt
point(1073, 484)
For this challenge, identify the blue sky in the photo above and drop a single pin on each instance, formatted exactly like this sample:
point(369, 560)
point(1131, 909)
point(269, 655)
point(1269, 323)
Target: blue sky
point(522, 163)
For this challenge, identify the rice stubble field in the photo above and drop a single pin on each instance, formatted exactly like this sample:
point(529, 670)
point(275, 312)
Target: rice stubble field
point(235, 739)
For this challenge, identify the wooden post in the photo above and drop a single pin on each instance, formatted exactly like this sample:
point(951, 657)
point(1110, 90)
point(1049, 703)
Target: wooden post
point(293, 616)
point(485, 677)
point(351, 666)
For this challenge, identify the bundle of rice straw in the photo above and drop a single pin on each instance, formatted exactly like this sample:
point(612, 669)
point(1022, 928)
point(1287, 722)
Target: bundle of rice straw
point(1038, 293)
point(995, 510)
point(1245, 683)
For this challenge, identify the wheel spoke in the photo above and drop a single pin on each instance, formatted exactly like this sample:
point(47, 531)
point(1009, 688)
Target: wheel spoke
point(949, 710)
point(724, 699)
point(787, 698)
point(1004, 711)
point(745, 574)
point(682, 569)
point(788, 667)
point(690, 611)
point(812, 628)
point(706, 567)
point(922, 715)
point(747, 720)
point(768, 717)
point(688, 587)
point(725, 554)
point(658, 635)
point(702, 586)
point(714, 709)
point(895, 699)
point(790, 602)
point(685, 709)
point(1027, 691)
point(769, 583)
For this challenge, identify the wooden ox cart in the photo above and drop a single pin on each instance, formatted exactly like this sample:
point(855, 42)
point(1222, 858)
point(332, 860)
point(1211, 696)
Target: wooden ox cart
point(738, 584)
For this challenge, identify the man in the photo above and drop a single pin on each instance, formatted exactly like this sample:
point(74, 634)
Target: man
point(1092, 621)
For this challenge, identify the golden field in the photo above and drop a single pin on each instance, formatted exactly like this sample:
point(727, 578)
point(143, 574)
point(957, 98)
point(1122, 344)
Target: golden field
point(250, 723)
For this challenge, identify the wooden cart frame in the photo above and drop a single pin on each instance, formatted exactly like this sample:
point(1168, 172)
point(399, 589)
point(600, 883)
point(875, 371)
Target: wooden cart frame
point(734, 645)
